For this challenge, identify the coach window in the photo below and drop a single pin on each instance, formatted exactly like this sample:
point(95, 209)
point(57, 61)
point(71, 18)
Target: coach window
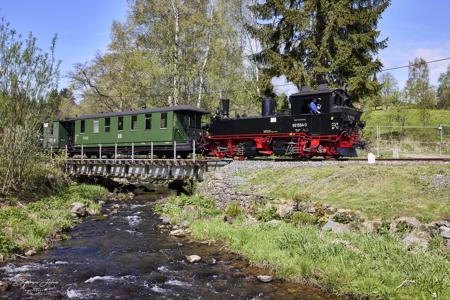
point(134, 123)
point(107, 124)
point(148, 121)
point(163, 121)
point(82, 126)
point(120, 123)
point(96, 127)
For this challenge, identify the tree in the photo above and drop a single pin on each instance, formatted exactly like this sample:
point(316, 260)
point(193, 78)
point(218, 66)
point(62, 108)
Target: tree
point(27, 77)
point(390, 93)
point(168, 53)
point(443, 91)
point(321, 41)
point(418, 89)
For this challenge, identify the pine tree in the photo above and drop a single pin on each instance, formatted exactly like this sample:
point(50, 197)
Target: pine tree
point(321, 41)
point(443, 91)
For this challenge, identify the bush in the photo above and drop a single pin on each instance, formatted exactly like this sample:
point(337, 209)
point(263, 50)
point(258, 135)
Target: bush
point(302, 218)
point(403, 228)
point(233, 210)
point(266, 214)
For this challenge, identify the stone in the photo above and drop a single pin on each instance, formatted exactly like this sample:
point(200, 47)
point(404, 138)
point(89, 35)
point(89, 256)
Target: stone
point(189, 209)
point(113, 212)
point(78, 209)
point(412, 222)
point(335, 227)
point(165, 220)
point(274, 223)
point(115, 206)
point(30, 252)
point(444, 232)
point(101, 203)
point(284, 210)
point(2, 258)
point(371, 226)
point(193, 258)
point(264, 278)
point(412, 239)
point(185, 224)
point(442, 223)
point(250, 221)
point(178, 233)
point(4, 286)
point(213, 261)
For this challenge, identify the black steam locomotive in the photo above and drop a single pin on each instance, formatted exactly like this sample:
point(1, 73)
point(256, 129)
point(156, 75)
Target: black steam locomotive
point(332, 133)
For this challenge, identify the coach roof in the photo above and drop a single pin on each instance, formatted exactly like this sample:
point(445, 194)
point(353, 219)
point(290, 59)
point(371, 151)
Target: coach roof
point(141, 111)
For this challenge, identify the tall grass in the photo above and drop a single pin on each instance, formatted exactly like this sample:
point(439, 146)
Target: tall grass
point(32, 226)
point(358, 264)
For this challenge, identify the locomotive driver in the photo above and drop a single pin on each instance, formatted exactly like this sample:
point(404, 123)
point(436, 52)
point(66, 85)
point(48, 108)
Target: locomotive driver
point(313, 107)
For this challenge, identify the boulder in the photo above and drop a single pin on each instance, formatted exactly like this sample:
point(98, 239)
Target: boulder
point(193, 258)
point(335, 227)
point(178, 233)
point(115, 206)
point(285, 209)
point(264, 278)
point(4, 286)
point(2, 258)
point(78, 209)
point(412, 239)
point(30, 252)
point(444, 232)
point(185, 224)
point(274, 223)
point(165, 220)
point(250, 221)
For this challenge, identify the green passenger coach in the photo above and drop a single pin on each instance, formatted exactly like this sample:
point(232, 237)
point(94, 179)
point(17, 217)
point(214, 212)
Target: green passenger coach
point(140, 131)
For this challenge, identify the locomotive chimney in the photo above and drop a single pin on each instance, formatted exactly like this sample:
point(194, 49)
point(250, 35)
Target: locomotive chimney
point(225, 106)
point(268, 107)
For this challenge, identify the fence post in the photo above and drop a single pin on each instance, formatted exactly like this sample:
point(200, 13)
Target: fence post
point(132, 151)
point(115, 152)
point(82, 152)
point(193, 150)
point(441, 141)
point(100, 151)
point(174, 150)
point(151, 152)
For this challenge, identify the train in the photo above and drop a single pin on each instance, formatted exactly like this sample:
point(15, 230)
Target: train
point(331, 132)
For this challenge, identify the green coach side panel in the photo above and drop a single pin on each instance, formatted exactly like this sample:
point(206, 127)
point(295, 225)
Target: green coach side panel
point(54, 135)
point(96, 130)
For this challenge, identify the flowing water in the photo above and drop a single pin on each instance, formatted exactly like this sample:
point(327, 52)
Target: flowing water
point(125, 256)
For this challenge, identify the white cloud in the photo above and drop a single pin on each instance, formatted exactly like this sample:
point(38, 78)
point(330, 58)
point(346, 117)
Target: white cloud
point(282, 86)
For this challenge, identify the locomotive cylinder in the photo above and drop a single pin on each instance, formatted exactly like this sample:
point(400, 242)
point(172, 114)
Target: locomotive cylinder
point(225, 103)
point(268, 107)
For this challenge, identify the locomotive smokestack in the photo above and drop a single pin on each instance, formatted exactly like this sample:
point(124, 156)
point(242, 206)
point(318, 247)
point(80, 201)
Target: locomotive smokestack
point(268, 107)
point(225, 103)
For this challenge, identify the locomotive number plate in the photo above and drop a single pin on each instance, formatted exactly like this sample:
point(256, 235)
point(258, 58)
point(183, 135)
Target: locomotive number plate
point(299, 125)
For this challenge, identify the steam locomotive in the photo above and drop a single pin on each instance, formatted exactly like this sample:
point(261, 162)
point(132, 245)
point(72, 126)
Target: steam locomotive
point(178, 130)
point(332, 133)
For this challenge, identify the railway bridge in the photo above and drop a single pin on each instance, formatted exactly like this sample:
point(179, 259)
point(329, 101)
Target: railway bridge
point(162, 169)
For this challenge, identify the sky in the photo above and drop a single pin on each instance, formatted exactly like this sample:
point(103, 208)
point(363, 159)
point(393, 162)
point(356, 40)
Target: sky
point(414, 28)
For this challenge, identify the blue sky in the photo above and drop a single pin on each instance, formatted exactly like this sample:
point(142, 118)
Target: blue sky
point(414, 28)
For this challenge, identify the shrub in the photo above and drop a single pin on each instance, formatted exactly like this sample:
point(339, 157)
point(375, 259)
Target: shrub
point(302, 197)
point(403, 228)
point(233, 210)
point(266, 214)
point(302, 218)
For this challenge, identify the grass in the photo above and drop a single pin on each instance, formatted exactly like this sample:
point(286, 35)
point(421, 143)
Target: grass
point(380, 192)
point(364, 265)
point(33, 225)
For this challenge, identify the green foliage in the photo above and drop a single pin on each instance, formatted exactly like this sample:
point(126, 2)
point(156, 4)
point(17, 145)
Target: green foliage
point(306, 253)
point(190, 186)
point(339, 42)
point(186, 207)
point(31, 226)
point(233, 210)
point(443, 91)
point(301, 218)
point(28, 75)
point(171, 53)
point(403, 228)
point(379, 192)
point(346, 217)
point(266, 213)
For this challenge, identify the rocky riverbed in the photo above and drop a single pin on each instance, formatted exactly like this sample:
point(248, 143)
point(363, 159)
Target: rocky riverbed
point(128, 252)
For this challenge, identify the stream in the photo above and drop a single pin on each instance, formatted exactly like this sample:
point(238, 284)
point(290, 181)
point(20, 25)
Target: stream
point(126, 256)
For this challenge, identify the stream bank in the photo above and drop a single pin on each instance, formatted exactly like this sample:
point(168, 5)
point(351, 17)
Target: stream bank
point(122, 253)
